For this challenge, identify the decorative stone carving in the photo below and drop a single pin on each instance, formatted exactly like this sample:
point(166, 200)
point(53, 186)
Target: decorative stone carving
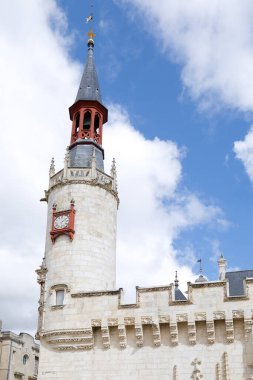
point(200, 316)
point(105, 336)
point(229, 330)
point(129, 321)
point(122, 336)
point(247, 329)
point(238, 314)
point(210, 332)
point(112, 321)
point(196, 374)
point(218, 372)
point(174, 333)
point(164, 319)
point(156, 334)
point(139, 335)
point(41, 279)
point(146, 320)
point(219, 315)
point(226, 375)
point(52, 169)
point(96, 322)
point(192, 332)
point(182, 317)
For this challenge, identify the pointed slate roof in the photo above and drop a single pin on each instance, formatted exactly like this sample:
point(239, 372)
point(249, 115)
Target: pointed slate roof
point(89, 86)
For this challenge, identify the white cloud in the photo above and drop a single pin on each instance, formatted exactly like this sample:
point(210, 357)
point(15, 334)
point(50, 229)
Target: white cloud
point(153, 211)
point(38, 82)
point(212, 40)
point(244, 152)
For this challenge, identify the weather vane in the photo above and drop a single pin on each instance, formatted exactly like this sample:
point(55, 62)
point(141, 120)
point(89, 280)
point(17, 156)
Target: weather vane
point(90, 17)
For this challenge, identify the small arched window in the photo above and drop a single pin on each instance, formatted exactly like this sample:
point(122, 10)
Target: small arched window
point(25, 359)
point(77, 122)
point(96, 124)
point(86, 120)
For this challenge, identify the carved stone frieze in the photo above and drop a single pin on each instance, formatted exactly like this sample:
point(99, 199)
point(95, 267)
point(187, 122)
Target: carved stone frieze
point(83, 176)
point(219, 315)
point(146, 320)
point(238, 314)
point(112, 321)
point(70, 339)
point(164, 319)
point(182, 317)
point(200, 316)
point(96, 322)
point(129, 320)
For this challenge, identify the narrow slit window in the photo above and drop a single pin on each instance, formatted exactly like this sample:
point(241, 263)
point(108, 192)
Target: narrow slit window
point(59, 297)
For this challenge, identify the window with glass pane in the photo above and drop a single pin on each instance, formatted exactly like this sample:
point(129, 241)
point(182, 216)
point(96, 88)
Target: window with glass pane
point(59, 297)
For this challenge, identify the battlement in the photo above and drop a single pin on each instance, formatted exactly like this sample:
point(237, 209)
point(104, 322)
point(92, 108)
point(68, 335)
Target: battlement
point(208, 314)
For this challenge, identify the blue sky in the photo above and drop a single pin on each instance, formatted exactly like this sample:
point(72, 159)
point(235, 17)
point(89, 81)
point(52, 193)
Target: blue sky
point(177, 78)
point(136, 71)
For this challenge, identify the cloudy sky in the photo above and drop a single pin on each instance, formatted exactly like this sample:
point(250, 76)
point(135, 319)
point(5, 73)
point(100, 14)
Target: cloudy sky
point(177, 78)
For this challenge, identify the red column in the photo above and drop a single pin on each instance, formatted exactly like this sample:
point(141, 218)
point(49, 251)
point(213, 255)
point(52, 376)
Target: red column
point(82, 111)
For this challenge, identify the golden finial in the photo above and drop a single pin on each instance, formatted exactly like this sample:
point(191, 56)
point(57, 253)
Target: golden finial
point(91, 34)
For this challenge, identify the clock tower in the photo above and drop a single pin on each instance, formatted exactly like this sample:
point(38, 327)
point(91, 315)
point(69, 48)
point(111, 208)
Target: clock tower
point(81, 224)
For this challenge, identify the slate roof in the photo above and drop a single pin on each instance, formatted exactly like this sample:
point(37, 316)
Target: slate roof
point(235, 280)
point(179, 296)
point(89, 86)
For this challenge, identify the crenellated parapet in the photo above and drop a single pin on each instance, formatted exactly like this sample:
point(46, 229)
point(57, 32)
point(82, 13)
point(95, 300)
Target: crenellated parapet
point(154, 317)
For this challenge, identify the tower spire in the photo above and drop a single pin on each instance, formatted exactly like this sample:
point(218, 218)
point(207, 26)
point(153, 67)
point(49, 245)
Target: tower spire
point(88, 115)
point(89, 85)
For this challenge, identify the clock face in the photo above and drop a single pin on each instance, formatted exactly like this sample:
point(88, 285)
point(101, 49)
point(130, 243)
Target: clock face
point(61, 221)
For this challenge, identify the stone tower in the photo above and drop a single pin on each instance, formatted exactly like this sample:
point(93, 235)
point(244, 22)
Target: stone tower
point(81, 223)
point(85, 329)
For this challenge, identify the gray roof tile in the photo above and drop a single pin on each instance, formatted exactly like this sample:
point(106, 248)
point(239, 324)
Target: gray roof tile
point(235, 280)
point(89, 86)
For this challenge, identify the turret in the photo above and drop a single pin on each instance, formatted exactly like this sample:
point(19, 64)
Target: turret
point(222, 264)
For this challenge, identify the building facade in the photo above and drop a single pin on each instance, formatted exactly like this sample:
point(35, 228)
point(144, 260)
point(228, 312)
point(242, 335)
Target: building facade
point(19, 356)
point(85, 329)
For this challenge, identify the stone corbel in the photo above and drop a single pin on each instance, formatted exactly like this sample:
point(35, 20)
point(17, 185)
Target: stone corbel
point(105, 336)
point(122, 336)
point(229, 330)
point(139, 335)
point(156, 333)
point(247, 329)
point(210, 331)
point(192, 332)
point(174, 333)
